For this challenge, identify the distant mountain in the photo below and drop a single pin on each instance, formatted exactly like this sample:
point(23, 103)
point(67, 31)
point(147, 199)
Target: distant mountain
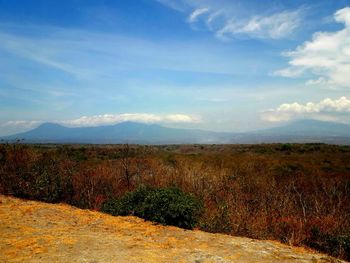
point(303, 131)
point(125, 132)
point(311, 128)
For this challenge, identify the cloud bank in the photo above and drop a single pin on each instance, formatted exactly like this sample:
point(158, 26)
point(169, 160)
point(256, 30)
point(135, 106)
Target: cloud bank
point(327, 110)
point(107, 119)
point(326, 56)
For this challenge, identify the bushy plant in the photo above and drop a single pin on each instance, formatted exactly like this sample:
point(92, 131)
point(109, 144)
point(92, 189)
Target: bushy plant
point(168, 206)
point(287, 147)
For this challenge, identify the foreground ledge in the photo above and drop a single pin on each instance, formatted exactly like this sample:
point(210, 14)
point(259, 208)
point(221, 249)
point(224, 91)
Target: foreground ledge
point(39, 232)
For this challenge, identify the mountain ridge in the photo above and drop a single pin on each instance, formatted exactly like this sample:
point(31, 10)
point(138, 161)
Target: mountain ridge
point(301, 131)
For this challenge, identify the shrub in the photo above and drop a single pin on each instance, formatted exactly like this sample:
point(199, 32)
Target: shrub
point(287, 147)
point(168, 206)
point(51, 183)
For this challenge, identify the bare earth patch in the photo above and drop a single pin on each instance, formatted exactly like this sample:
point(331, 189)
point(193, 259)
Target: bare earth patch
point(38, 232)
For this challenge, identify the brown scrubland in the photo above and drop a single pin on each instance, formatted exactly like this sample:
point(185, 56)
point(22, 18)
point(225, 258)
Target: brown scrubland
point(298, 194)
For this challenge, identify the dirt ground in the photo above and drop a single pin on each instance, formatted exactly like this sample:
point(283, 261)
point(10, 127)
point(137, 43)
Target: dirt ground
point(38, 232)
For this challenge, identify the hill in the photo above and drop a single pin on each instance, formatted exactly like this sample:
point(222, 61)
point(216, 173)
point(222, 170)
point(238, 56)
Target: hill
point(39, 232)
point(301, 131)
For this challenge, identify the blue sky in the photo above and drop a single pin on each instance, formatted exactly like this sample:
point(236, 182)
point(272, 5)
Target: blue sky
point(220, 65)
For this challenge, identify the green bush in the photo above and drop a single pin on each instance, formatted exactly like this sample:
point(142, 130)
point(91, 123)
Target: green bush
point(286, 147)
point(168, 206)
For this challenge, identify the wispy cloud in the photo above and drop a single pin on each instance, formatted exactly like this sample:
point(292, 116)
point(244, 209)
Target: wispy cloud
point(327, 109)
point(326, 56)
point(222, 18)
point(275, 26)
point(36, 49)
point(12, 127)
point(86, 54)
point(174, 4)
point(196, 13)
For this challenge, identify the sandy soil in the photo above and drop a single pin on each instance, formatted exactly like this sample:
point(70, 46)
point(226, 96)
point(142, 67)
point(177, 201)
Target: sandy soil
point(39, 232)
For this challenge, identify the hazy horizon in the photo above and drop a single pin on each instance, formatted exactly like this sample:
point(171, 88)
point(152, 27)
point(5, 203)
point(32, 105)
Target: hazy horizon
point(213, 65)
point(292, 123)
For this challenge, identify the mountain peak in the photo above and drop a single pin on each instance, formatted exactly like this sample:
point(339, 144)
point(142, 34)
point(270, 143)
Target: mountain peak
point(47, 125)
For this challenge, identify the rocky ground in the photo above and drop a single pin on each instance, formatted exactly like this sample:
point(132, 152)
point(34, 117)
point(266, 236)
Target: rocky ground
point(38, 232)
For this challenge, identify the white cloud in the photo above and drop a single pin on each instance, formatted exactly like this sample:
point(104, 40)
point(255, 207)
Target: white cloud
point(326, 56)
point(288, 72)
point(327, 109)
point(179, 118)
point(196, 13)
point(319, 81)
point(23, 124)
point(107, 119)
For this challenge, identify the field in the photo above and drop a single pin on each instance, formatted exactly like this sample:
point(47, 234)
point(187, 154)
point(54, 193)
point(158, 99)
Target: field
point(295, 193)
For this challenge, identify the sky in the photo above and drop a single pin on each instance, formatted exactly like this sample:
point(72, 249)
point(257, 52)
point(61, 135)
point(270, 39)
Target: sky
point(221, 65)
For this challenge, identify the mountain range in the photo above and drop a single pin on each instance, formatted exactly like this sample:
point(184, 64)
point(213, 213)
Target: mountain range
point(303, 131)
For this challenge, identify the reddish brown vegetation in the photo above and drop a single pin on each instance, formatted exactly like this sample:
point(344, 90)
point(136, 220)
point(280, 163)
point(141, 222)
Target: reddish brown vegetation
point(299, 194)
